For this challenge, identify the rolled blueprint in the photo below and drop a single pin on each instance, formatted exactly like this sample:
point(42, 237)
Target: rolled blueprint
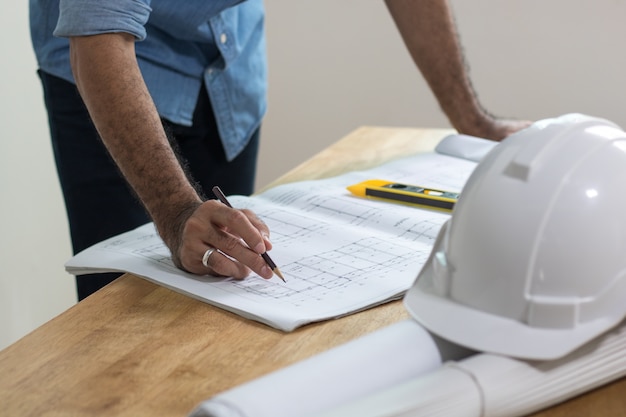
point(511, 387)
point(448, 392)
point(465, 147)
point(498, 386)
point(386, 357)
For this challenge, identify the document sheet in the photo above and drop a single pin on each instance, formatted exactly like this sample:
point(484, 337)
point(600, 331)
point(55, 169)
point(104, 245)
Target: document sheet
point(339, 253)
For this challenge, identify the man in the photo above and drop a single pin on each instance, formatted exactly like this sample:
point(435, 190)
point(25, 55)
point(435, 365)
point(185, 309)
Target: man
point(176, 92)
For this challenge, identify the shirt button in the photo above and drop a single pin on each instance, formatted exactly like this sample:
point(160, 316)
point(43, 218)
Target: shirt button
point(223, 38)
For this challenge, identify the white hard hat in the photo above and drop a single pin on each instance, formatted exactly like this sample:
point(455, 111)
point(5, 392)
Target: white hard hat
point(532, 263)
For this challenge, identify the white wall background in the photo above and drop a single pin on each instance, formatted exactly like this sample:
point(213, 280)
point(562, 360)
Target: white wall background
point(334, 66)
point(34, 241)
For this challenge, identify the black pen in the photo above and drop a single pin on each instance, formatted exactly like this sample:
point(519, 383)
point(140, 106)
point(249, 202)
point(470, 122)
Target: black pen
point(220, 195)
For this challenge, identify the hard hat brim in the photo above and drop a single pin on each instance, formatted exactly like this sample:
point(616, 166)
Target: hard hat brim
point(484, 332)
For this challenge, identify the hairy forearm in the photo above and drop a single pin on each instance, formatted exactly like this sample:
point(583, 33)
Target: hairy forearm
point(109, 80)
point(428, 30)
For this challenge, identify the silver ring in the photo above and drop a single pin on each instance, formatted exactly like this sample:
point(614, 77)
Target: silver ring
point(205, 257)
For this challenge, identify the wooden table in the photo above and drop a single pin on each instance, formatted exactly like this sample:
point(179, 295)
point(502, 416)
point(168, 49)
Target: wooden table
point(138, 349)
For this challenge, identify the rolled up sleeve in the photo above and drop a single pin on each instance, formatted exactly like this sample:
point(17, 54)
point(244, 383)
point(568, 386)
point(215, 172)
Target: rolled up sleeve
point(92, 17)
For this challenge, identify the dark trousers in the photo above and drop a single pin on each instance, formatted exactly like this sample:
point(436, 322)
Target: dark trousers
point(98, 200)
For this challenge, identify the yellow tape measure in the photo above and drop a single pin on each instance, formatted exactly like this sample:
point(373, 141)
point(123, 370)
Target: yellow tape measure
point(405, 193)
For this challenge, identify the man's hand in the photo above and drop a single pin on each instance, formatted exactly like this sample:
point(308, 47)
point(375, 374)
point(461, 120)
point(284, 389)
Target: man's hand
point(239, 236)
point(494, 128)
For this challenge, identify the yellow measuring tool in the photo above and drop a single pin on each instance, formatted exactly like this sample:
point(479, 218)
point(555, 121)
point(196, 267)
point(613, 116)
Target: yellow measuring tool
point(406, 193)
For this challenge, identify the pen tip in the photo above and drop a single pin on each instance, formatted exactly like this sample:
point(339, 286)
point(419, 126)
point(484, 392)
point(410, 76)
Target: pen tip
point(280, 274)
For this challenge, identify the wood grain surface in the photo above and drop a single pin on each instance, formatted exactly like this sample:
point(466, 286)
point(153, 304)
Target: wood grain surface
point(137, 349)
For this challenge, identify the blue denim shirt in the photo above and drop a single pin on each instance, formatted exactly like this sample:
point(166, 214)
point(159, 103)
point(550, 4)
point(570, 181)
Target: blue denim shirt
point(180, 45)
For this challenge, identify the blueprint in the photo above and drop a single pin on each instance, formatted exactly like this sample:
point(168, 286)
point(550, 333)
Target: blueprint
point(339, 253)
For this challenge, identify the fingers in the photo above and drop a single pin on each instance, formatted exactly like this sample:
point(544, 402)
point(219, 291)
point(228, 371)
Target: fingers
point(491, 127)
point(505, 128)
point(261, 227)
point(218, 264)
point(238, 235)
